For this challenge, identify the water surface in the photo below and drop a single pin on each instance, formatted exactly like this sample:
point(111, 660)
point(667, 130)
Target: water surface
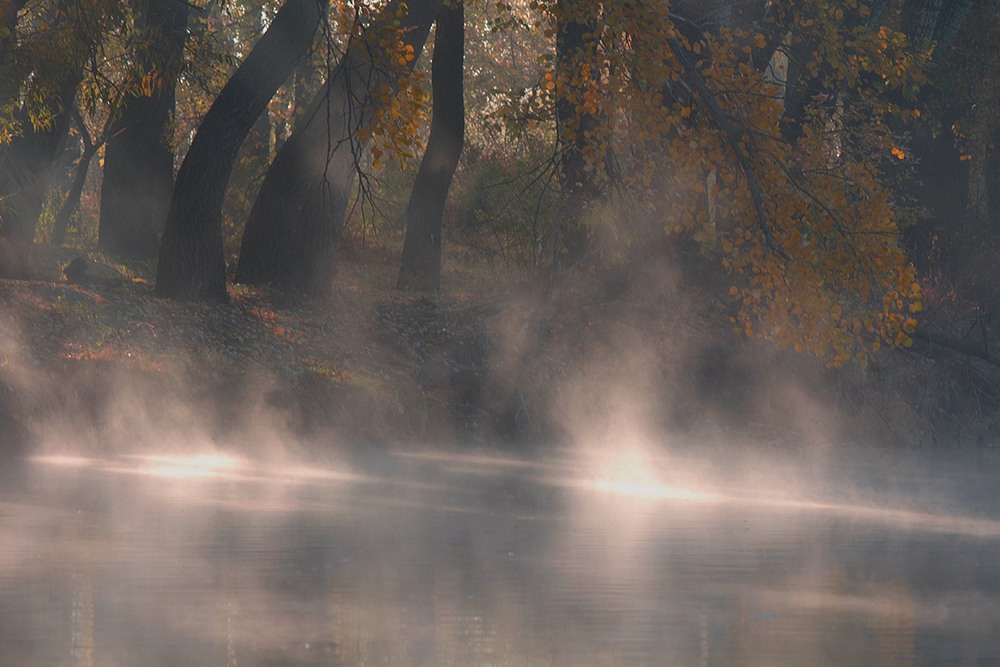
point(409, 558)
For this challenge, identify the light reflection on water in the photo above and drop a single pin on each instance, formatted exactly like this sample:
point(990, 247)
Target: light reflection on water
point(432, 558)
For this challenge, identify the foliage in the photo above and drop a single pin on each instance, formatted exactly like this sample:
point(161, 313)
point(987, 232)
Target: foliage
point(690, 131)
point(690, 138)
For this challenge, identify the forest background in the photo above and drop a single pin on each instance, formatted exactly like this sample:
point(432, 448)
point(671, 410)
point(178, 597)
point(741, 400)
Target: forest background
point(516, 220)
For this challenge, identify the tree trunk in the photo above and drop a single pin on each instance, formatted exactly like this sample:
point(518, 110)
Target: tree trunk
point(934, 23)
point(251, 163)
point(72, 202)
point(192, 262)
point(420, 267)
point(295, 222)
point(25, 167)
point(139, 158)
point(576, 45)
point(8, 25)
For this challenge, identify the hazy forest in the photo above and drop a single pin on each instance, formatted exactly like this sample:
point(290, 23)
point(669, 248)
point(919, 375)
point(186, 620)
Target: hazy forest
point(500, 221)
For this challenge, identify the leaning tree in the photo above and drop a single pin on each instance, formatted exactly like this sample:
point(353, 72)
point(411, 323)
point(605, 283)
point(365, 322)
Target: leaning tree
point(296, 220)
point(191, 260)
point(420, 265)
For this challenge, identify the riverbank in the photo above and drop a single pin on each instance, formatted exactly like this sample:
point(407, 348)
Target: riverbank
point(102, 363)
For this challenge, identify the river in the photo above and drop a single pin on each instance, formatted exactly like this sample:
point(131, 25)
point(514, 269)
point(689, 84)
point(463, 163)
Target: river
point(417, 557)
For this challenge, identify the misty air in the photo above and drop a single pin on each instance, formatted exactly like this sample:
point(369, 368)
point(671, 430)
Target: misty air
point(458, 332)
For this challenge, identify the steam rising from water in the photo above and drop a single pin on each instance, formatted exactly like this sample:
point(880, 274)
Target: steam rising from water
point(429, 557)
point(633, 543)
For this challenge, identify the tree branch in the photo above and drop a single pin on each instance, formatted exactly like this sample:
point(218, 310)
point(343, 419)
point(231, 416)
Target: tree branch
point(733, 138)
point(926, 342)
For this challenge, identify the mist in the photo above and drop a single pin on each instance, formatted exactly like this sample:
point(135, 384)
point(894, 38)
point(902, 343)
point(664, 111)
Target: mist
point(641, 506)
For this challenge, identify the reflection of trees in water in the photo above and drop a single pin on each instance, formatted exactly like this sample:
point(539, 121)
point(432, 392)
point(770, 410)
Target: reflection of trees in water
point(417, 579)
point(823, 607)
point(82, 619)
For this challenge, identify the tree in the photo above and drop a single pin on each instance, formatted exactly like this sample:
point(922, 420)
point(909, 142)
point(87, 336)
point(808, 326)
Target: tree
point(41, 113)
point(191, 260)
point(805, 227)
point(296, 220)
point(420, 267)
point(9, 9)
point(139, 157)
point(71, 204)
point(581, 147)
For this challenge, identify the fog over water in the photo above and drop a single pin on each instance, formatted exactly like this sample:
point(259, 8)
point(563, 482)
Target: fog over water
point(153, 536)
point(633, 554)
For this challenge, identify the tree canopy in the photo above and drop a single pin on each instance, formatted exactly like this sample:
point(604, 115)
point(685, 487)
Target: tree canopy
point(789, 142)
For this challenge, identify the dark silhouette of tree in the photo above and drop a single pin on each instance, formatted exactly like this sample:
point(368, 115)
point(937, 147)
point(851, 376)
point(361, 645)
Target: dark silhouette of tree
point(8, 30)
point(25, 162)
point(191, 260)
point(139, 158)
point(420, 267)
point(576, 48)
point(296, 220)
point(70, 205)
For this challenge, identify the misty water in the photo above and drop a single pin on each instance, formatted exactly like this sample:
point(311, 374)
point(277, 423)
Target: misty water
point(397, 557)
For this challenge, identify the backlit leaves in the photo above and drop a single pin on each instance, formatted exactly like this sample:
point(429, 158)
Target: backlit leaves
point(845, 289)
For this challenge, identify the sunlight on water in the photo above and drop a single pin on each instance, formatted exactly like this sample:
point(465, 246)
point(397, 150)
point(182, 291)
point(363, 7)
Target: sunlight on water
point(64, 461)
point(650, 491)
point(194, 466)
point(627, 557)
point(200, 466)
point(633, 474)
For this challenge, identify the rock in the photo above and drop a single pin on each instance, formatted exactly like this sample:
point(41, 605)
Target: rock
point(77, 271)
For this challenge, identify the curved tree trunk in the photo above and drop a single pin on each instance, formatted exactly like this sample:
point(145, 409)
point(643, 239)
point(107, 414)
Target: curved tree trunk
point(72, 202)
point(300, 210)
point(139, 158)
point(420, 267)
point(191, 261)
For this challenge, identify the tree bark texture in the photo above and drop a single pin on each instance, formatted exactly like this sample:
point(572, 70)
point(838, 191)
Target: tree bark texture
point(139, 157)
point(296, 220)
point(935, 23)
point(191, 260)
point(420, 267)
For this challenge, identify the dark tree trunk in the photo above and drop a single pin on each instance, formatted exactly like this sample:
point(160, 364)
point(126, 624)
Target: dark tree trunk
point(942, 183)
point(993, 180)
point(139, 158)
point(72, 202)
point(292, 232)
point(251, 163)
point(25, 167)
point(192, 263)
point(576, 43)
point(934, 22)
point(26, 161)
point(420, 268)
point(8, 17)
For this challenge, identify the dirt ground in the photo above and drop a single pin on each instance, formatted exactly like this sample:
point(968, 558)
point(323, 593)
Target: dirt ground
point(99, 360)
